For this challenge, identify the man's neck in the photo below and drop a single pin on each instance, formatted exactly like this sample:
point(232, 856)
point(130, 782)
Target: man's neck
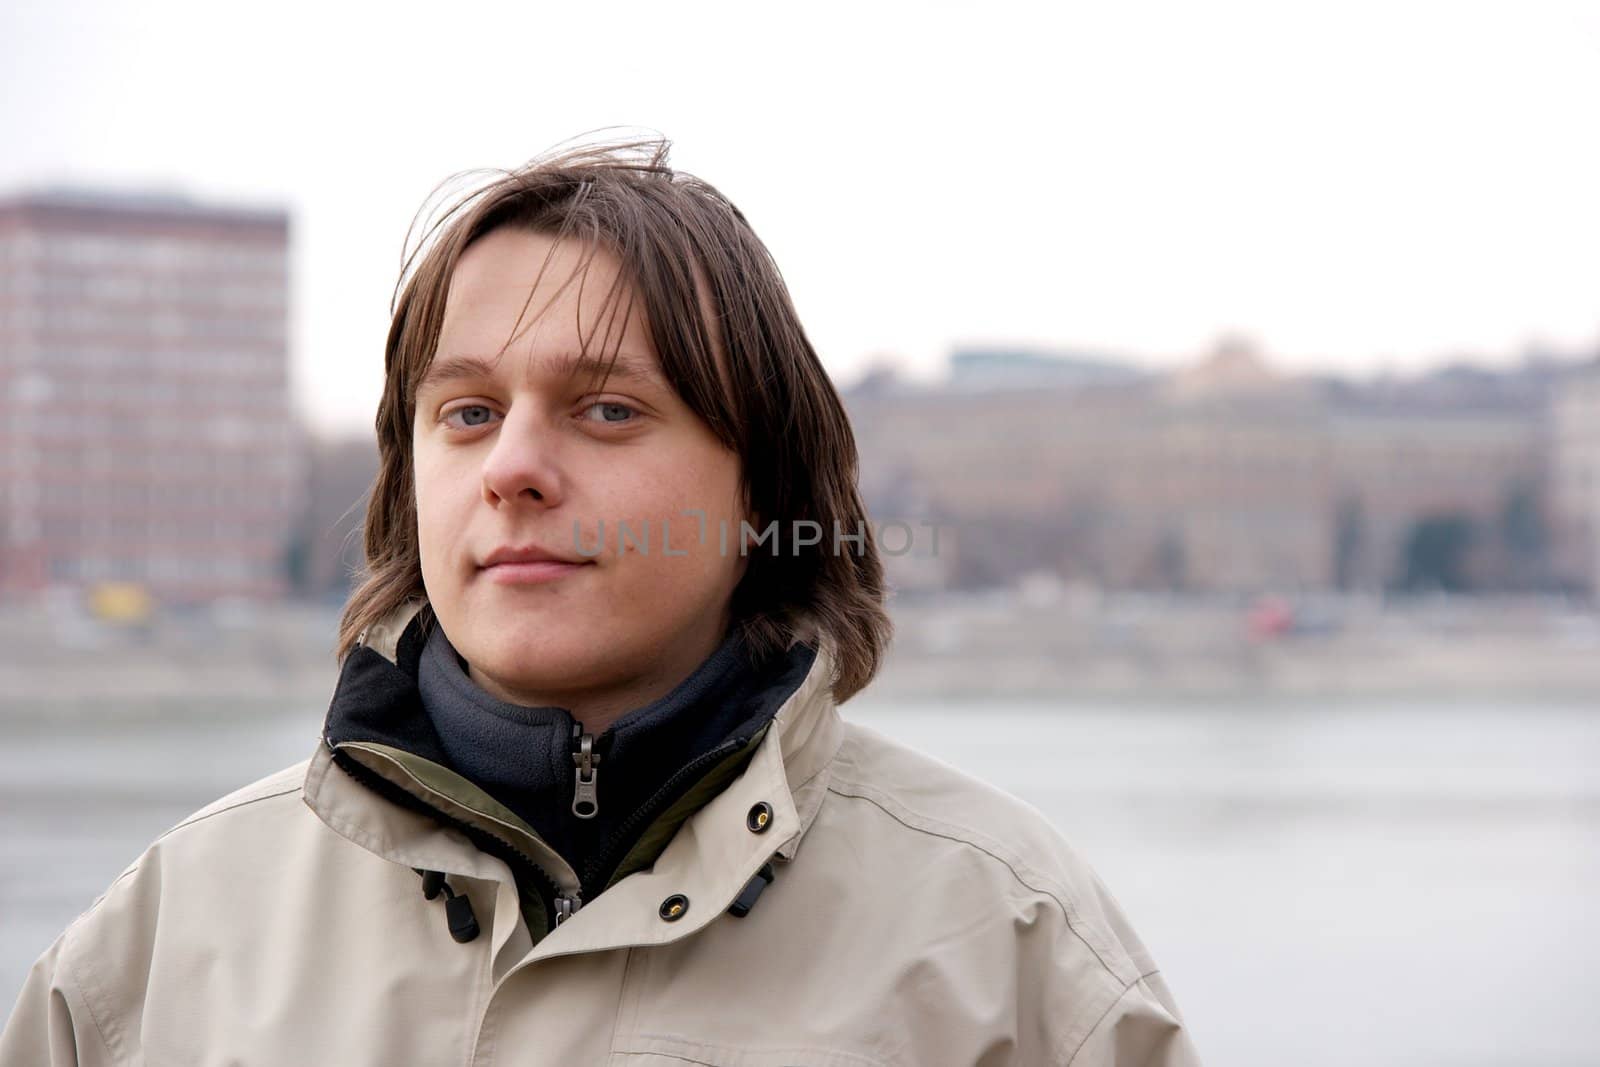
point(598, 707)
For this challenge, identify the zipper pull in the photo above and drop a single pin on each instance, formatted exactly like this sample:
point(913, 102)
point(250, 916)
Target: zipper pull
point(585, 798)
point(565, 906)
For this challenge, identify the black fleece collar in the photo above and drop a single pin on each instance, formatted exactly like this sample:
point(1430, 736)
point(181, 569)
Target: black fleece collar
point(521, 756)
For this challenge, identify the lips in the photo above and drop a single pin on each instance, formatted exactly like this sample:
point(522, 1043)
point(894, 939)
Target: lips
point(528, 565)
point(527, 554)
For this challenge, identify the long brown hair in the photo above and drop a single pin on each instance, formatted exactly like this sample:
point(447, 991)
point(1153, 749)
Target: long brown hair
point(728, 340)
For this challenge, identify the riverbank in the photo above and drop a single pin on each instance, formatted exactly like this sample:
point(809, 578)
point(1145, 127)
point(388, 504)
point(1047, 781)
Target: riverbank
point(248, 660)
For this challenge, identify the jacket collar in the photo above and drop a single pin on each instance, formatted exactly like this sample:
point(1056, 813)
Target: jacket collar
point(709, 859)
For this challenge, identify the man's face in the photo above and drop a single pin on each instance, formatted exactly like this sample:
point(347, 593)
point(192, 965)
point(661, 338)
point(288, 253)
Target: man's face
point(512, 454)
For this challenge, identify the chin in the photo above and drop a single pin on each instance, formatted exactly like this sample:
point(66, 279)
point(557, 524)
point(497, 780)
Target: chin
point(534, 653)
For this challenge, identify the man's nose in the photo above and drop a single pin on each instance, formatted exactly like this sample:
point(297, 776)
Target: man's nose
point(523, 464)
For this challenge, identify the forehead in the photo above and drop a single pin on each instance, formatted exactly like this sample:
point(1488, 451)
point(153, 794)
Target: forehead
point(548, 300)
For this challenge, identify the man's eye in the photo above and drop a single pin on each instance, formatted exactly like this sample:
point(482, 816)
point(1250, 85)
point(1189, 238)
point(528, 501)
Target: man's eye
point(611, 413)
point(469, 416)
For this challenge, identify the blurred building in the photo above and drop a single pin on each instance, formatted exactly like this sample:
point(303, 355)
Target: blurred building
point(980, 368)
point(145, 428)
point(1224, 477)
point(329, 551)
point(1575, 432)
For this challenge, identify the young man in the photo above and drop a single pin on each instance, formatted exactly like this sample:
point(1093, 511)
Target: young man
point(583, 794)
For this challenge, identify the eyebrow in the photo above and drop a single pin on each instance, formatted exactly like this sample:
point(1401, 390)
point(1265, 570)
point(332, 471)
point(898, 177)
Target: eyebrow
point(567, 365)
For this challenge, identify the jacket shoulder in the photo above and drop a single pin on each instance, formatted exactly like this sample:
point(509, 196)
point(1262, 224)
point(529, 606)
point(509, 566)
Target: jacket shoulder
point(216, 818)
point(1010, 846)
point(285, 782)
point(102, 960)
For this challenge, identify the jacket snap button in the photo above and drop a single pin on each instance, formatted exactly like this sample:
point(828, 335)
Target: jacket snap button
point(760, 818)
point(673, 907)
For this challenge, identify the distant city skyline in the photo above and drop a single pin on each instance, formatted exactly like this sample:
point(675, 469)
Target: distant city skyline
point(1374, 186)
point(146, 421)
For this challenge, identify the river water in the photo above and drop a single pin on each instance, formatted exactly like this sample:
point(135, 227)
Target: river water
point(1406, 883)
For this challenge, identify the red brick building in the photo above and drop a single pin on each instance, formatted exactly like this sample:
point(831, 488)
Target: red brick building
point(145, 427)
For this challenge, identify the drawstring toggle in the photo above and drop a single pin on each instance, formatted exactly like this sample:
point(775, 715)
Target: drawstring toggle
point(457, 908)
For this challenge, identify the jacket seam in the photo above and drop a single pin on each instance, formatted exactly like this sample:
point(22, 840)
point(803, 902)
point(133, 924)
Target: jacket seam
point(481, 1001)
point(203, 816)
point(86, 990)
point(132, 868)
point(1101, 1018)
point(1066, 913)
point(688, 1050)
point(628, 963)
point(88, 1006)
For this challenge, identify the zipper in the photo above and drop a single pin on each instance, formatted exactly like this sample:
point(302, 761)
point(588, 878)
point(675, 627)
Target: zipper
point(585, 785)
point(626, 833)
point(558, 906)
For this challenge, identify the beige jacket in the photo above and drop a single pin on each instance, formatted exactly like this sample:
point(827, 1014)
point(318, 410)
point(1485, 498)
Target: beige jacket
point(915, 916)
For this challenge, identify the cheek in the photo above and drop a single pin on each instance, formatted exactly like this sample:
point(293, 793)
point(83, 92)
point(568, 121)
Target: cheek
point(438, 493)
point(422, 483)
point(691, 509)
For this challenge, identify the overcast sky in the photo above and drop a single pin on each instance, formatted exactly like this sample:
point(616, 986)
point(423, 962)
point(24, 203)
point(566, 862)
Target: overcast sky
point(1358, 186)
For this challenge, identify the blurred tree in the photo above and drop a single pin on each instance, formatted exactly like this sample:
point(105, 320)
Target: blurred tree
point(297, 559)
point(1435, 553)
point(1523, 534)
point(1172, 560)
point(1349, 543)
